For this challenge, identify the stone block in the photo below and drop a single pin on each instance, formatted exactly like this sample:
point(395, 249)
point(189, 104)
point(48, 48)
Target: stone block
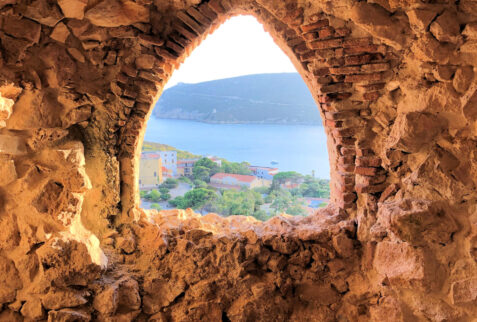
point(73, 8)
point(8, 172)
point(6, 105)
point(464, 291)
point(315, 26)
point(60, 33)
point(12, 145)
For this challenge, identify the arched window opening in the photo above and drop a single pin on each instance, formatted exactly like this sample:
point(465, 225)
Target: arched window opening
point(236, 132)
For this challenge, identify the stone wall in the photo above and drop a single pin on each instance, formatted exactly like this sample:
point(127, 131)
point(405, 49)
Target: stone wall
point(394, 82)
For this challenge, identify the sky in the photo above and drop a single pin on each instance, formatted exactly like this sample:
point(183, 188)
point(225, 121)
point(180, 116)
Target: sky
point(239, 47)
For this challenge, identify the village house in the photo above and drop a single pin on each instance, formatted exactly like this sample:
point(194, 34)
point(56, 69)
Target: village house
point(266, 173)
point(185, 166)
point(237, 181)
point(169, 161)
point(150, 171)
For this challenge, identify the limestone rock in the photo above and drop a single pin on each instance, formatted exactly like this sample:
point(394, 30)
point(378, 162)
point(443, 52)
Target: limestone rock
point(446, 27)
point(379, 23)
point(59, 299)
point(429, 49)
point(10, 281)
point(43, 137)
point(106, 301)
point(116, 13)
point(400, 262)
point(470, 30)
point(414, 131)
point(464, 291)
point(6, 105)
point(8, 172)
point(44, 12)
point(420, 19)
point(76, 54)
point(463, 78)
point(22, 28)
point(32, 309)
point(60, 33)
point(68, 315)
point(12, 145)
point(73, 8)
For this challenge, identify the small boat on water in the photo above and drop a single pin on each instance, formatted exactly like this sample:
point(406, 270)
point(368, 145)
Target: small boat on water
point(274, 162)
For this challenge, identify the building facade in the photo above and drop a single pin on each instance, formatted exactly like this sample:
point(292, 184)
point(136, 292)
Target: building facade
point(263, 172)
point(150, 171)
point(184, 167)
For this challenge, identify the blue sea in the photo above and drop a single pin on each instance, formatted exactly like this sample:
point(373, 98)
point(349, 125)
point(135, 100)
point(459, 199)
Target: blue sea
point(300, 148)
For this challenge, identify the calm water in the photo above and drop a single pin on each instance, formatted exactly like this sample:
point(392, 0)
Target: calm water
point(300, 148)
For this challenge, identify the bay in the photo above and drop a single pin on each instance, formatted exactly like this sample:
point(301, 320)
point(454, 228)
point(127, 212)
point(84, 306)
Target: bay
point(300, 148)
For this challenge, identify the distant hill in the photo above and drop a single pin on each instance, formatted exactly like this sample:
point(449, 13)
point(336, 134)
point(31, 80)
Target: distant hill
point(153, 146)
point(262, 98)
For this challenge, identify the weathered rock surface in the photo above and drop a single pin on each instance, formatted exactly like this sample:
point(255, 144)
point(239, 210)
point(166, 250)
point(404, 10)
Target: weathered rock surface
point(395, 85)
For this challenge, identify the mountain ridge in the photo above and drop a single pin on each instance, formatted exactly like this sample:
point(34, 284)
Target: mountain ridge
point(281, 98)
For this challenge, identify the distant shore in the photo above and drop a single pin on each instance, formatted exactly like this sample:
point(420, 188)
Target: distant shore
point(284, 123)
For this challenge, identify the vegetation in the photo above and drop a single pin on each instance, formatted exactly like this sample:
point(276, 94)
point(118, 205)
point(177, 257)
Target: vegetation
point(245, 202)
point(264, 98)
point(170, 183)
point(152, 146)
point(282, 201)
point(197, 199)
point(153, 195)
point(206, 168)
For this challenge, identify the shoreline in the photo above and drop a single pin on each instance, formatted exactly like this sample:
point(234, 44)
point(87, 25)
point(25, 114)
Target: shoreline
point(236, 123)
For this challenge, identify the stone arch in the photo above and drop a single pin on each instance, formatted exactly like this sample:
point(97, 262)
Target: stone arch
point(69, 125)
point(345, 69)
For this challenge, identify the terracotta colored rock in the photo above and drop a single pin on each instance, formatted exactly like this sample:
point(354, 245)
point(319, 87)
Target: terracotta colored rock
point(117, 13)
point(12, 145)
point(446, 28)
point(463, 78)
point(73, 8)
point(464, 291)
point(22, 28)
point(6, 105)
point(44, 12)
point(59, 299)
point(10, 281)
point(7, 172)
point(60, 33)
point(68, 315)
point(33, 310)
point(414, 131)
point(420, 19)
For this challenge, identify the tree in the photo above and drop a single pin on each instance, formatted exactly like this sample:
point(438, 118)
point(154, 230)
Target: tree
point(154, 195)
point(235, 168)
point(163, 190)
point(201, 173)
point(244, 202)
point(165, 196)
point(285, 202)
point(195, 199)
point(200, 184)
point(283, 177)
point(170, 183)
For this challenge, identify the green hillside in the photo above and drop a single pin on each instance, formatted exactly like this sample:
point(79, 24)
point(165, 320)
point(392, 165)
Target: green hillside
point(152, 146)
point(263, 98)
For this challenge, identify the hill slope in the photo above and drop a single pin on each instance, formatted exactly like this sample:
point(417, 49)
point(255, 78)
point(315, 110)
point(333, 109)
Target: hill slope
point(262, 98)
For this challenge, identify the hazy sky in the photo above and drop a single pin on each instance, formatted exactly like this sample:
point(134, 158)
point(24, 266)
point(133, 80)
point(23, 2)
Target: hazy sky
point(239, 47)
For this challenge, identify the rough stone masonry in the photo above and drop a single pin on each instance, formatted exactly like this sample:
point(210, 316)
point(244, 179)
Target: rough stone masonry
point(394, 81)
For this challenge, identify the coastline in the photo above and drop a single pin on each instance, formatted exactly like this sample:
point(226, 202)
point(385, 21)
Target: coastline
point(237, 123)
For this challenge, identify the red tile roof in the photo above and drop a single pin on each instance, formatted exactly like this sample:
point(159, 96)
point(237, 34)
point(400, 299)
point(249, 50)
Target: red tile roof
point(238, 177)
